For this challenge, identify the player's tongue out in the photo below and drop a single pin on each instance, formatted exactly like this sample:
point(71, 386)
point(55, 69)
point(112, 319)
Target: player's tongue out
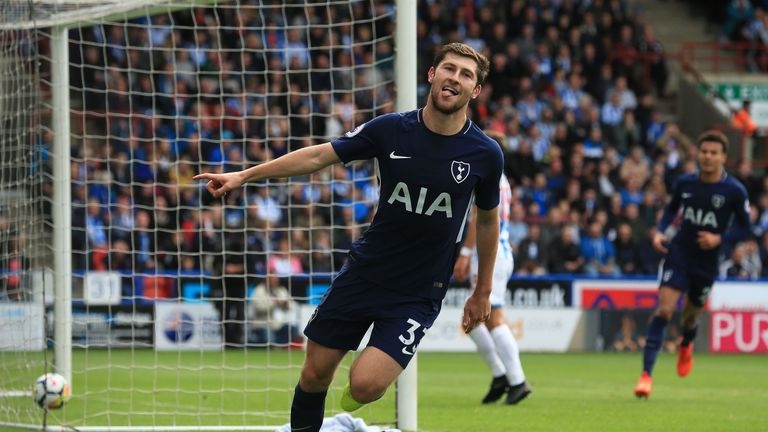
point(448, 91)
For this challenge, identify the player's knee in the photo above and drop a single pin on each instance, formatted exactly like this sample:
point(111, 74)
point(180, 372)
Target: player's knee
point(366, 391)
point(314, 380)
point(665, 312)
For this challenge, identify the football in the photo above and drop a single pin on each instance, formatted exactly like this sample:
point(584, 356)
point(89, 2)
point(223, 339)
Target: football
point(51, 391)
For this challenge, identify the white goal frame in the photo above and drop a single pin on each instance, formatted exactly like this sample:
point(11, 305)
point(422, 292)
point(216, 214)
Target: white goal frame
point(70, 14)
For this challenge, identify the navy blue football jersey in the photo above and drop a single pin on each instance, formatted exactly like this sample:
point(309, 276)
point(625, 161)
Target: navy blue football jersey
point(721, 208)
point(427, 184)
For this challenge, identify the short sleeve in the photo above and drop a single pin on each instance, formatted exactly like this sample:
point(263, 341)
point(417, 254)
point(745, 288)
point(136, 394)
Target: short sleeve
point(363, 142)
point(487, 194)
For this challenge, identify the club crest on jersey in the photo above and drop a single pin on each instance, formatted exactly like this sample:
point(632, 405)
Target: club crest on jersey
point(718, 201)
point(459, 171)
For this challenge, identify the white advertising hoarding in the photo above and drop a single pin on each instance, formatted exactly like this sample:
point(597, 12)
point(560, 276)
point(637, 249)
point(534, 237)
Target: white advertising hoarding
point(739, 296)
point(21, 327)
point(187, 327)
point(535, 329)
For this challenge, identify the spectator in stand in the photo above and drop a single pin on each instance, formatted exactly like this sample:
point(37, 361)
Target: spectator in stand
point(626, 338)
point(763, 254)
point(598, 252)
point(737, 14)
point(611, 115)
point(635, 166)
point(742, 121)
point(564, 255)
point(744, 173)
point(283, 262)
point(627, 98)
point(518, 229)
point(627, 252)
point(531, 253)
point(735, 267)
point(594, 148)
point(273, 314)
point(653, 51)
point(95, 227)
point(632, 193)
point(627, 133)
point(550, 229)
point(675, 147)
point(631, 216)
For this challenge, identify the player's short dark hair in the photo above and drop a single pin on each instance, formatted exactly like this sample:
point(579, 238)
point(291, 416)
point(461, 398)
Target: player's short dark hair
point(713, 136)
point(464, 50)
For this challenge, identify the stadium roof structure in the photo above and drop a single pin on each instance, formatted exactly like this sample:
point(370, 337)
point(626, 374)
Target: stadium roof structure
point(26, 14)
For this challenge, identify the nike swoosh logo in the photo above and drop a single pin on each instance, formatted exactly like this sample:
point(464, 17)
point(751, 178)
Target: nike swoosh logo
point(405, 351)
point(394, 156)
point(686, 195)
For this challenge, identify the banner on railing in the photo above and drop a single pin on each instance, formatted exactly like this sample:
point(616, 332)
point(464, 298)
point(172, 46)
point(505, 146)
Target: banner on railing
point(113, 326)
point(615, 294)
point(187, 326)
point(523, 293)
point(21, 327)
point(551, 330)
point(738, 332)
point(739, 296)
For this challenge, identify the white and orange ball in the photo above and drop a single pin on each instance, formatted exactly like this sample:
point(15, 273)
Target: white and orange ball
point(51, 391)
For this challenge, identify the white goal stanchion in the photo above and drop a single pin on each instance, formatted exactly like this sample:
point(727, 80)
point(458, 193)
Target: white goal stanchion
point(166, 309)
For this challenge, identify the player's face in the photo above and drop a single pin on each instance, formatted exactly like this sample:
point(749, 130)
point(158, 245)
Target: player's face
point(454, 83)
point(711, 157)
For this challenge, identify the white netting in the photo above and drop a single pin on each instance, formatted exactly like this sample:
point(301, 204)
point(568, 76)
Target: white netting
point(22, 233)
point(164, 275)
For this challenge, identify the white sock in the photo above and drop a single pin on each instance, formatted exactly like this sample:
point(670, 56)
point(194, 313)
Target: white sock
point(506, 347)
point(485, 346)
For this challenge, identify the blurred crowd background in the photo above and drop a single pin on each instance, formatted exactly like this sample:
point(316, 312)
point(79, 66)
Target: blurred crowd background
point(590, 156)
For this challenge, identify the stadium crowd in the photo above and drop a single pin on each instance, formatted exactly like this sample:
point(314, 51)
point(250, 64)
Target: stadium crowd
point(590, 157)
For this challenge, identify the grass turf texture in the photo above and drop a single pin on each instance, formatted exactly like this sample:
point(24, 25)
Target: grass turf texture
point(572, 392)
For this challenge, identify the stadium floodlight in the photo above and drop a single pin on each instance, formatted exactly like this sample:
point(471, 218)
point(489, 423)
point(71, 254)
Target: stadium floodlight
point(114, 262)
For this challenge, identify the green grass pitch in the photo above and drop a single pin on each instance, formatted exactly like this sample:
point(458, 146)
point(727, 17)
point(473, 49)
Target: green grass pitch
point(571, 392)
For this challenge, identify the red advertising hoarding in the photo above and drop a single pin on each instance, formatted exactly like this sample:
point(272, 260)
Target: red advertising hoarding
point(738, 332)
point(615, 294)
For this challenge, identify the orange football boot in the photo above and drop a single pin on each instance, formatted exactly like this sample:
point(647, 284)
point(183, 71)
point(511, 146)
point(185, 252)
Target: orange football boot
point(643, 387)
point(685, 360)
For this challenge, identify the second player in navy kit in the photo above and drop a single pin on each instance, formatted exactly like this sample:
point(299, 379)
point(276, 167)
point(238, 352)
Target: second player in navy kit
point(433, 163)
point(714, 209)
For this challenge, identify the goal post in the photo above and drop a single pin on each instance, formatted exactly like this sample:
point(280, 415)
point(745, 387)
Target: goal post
point(405, 78)
point(147, 288)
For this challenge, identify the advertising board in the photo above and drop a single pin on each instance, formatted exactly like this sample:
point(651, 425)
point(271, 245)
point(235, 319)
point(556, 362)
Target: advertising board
point(738, 332)
point(615, 294)
point(187, 326)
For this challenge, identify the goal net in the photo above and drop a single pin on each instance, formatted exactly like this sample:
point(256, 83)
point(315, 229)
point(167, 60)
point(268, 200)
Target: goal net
point(22, 219)
point(168, 309)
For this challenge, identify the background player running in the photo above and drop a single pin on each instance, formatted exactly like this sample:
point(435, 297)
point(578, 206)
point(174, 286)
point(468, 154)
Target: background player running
point(494, 340)
point(715, 210)
point(432, 163)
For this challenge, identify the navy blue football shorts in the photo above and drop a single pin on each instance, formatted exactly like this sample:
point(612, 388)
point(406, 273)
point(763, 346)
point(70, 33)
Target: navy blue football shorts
point(352, 304)
point(696, 286)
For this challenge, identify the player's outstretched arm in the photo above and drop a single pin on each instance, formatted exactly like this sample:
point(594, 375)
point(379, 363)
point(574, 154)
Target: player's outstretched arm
point(299, 162)
point(478, 306)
